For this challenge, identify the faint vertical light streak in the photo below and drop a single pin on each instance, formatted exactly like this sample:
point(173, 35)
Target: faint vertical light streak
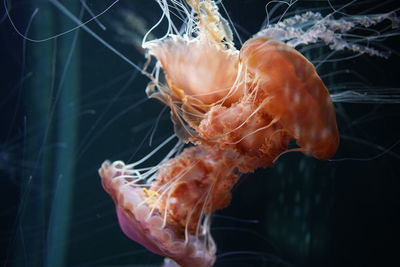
point(67, 127)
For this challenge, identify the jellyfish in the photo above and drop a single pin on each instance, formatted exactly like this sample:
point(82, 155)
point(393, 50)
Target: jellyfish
point(235, 108)
point(240, 109)
point(239, 120)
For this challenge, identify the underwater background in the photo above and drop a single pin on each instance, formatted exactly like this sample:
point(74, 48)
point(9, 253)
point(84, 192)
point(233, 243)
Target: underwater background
point(69, 103)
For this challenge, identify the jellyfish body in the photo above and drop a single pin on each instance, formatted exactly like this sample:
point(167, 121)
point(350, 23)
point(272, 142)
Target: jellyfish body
point(300, 100)
point(240, 109)
point(142, 219)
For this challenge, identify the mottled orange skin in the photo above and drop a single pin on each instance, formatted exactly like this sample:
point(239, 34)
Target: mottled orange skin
point(197, 181)
point(301, 102)
point(244, 131)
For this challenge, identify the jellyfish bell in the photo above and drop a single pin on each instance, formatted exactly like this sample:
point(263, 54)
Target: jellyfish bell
point(299, 98)
point(199, 74)
point(197, 68)
point(143, 219)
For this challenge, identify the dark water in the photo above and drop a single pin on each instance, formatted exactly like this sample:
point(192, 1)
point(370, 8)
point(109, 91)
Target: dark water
point(69, 103)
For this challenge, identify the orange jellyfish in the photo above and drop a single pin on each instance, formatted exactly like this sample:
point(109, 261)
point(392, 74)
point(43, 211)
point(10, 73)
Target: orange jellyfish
point(240, 110)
